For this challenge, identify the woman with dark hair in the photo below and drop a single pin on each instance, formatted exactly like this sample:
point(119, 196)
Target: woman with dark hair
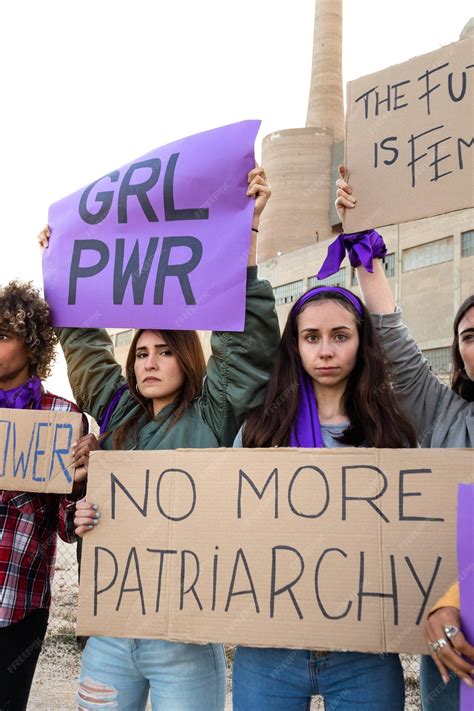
point(443, 417)
point(330, 374)
point(164, 404)
point(29, 521)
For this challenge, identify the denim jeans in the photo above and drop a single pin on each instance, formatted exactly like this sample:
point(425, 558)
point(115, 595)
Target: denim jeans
point(286, 679)
point(119, 674)
point(435, 694)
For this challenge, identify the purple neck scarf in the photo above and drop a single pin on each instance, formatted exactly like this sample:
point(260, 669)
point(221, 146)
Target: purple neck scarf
point(28, 395)
point(306, 428)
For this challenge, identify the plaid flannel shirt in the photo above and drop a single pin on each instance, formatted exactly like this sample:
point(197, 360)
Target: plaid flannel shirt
point(28, 526)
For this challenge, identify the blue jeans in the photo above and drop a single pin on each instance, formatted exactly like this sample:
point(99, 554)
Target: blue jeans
point(119, 673)
point(435, 694)
point(286, 679)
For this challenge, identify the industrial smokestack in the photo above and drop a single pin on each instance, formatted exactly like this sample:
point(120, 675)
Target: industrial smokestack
point(325, 105)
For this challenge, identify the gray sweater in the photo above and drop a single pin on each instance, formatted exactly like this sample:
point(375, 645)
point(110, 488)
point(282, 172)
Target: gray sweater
point(441, 418)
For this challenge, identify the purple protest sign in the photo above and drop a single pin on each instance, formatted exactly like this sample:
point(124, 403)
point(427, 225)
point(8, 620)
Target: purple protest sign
point(466, 575)
point(162, 242)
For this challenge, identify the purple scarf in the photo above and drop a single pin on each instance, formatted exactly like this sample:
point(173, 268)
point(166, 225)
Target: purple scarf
point(26, 396)
point(362, 248)
point(306, 428)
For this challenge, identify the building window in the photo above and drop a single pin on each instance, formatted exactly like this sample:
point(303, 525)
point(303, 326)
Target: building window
point(286, 293)
point(439, 360)
point(337, 279)
point(388, 263)
point(123, 338)
point(467, 244)
point(428, 254)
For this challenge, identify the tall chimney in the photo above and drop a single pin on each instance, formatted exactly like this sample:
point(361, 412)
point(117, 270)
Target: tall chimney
point(298, 161)
point(326, 105)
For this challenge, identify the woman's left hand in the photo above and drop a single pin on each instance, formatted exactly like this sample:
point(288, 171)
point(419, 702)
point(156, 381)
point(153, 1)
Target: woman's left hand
point(260, 189)
point(447, 655)
point(80, 452)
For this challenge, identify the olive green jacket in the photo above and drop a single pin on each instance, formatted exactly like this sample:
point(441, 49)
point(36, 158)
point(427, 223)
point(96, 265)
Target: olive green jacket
point(237, 375)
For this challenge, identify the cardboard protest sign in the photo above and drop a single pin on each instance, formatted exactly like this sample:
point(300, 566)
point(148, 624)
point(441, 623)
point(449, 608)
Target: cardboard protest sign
point(302, 548)
point(466, 575)
point(35, 450)
point(162, 242)
point(409, 138)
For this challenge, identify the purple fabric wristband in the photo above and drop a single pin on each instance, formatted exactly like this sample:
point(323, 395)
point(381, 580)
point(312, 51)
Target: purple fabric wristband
point(362, 248)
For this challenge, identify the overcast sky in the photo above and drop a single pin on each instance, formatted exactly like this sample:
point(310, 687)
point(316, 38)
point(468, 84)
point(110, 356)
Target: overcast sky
point(88, 86)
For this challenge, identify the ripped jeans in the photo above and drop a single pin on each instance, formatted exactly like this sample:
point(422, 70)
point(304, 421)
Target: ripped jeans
point(120, 673)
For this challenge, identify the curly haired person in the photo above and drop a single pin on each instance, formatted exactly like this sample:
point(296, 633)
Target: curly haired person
point(29, 521)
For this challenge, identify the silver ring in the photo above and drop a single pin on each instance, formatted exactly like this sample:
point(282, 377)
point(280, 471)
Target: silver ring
point(451, 631)
point(439, 644)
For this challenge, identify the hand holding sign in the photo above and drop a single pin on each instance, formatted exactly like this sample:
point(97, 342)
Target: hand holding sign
point(447, 656)
point(80, 452)
point(87, 516)
point(344, 196)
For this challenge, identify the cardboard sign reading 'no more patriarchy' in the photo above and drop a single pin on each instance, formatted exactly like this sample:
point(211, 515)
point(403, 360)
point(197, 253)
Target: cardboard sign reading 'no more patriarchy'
point(410, 138)
point(162, 242)
point(328, 549)
point(35, 450)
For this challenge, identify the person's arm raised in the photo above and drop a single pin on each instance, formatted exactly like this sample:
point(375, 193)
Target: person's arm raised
point(420, 393)
point(239, 368)
point(374, 286)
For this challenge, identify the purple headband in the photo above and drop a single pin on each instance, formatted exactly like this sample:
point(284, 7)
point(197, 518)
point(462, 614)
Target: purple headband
point(348, 295)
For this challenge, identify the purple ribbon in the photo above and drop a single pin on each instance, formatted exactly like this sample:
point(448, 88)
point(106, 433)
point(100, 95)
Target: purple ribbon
point(465, 539)
point(27, 395)
point(306, 428)
point(362, 248)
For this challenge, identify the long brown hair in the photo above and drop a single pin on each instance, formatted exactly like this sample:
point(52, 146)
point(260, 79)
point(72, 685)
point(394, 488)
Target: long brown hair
point(374, 416)
point(187, 349)
point(460, 382)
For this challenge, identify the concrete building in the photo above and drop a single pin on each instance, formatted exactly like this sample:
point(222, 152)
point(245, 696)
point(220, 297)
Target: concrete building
point(430, 263)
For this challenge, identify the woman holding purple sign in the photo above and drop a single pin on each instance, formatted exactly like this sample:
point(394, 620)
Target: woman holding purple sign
point(164, 404)
point(443, 416)
point(329, 388)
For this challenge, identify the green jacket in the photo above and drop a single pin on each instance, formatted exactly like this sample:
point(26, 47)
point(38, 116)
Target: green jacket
point(237, 374)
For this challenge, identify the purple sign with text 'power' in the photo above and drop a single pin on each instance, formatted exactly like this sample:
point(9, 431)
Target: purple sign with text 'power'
point(161, 243)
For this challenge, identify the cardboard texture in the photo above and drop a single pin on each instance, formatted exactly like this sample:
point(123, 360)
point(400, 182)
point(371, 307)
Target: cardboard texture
point(409, 138)
point(35, 450)
point(318, 549)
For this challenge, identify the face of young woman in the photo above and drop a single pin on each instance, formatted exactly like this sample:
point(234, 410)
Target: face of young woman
point(328, 342)
point(14, 361)
point(466, 341)
point(158, 373)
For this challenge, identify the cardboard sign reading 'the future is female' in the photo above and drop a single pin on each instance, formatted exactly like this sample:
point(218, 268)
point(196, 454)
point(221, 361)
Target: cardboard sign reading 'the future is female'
point(410, 138)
